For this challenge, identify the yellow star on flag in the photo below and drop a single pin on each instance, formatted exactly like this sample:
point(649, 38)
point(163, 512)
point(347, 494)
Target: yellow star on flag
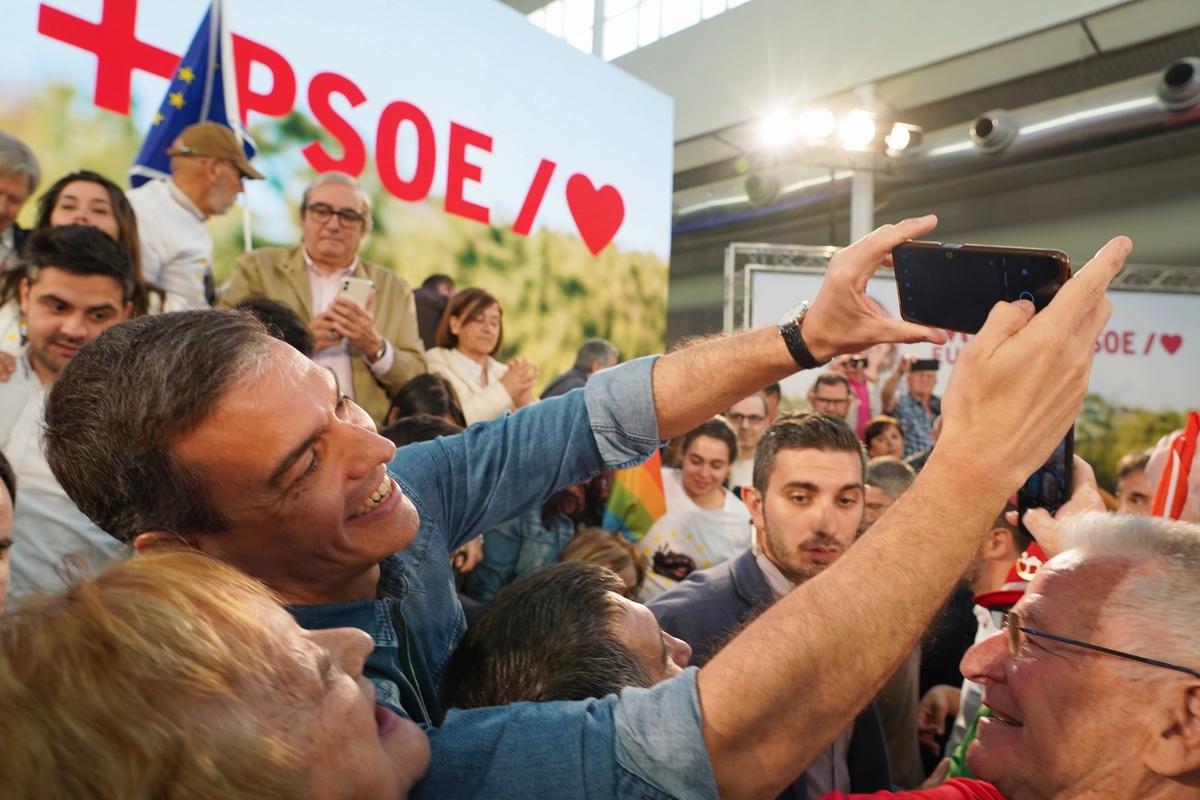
point(157, 119)
point(175, 99)
point(186, 75)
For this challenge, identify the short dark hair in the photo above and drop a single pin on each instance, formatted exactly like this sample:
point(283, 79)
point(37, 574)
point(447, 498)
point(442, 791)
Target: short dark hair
point(595, 350)
point(717, 428)
point(467, 304)
point(437, 279)
point(773, 390)
point(547, 636)
point(877, 425)
point(429, 394)
point(890, 474)
point(118, 406)
point(80, 250)
point(832, 379)
point(280, 321)
point(804, 430)
point(418, 428)
point(1132, 462)
point(8, 478)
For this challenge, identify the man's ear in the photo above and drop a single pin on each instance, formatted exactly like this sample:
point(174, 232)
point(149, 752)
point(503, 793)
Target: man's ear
point(997, 543)
point(23, 296)
point(156, 541)
point(1175, 751)
point(754, 503)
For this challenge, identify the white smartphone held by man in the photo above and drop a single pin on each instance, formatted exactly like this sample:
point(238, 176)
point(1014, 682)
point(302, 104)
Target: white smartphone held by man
point(357, 290)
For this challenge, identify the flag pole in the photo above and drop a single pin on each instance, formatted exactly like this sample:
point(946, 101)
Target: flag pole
point(232, 109)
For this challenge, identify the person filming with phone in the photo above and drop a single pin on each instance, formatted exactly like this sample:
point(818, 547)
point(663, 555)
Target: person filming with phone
point(362, 316)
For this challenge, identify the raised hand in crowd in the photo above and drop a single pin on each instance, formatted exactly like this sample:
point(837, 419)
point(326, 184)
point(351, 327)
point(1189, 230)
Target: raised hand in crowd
point(522, 374)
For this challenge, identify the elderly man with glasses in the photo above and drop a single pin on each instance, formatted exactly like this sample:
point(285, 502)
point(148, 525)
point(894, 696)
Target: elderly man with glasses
point(374, 349)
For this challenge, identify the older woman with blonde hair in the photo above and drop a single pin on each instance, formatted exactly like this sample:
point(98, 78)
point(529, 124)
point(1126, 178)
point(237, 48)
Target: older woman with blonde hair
point(173, 676)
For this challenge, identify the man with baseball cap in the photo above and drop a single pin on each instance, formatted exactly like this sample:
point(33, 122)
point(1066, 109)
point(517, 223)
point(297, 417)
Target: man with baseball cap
point(207, 170)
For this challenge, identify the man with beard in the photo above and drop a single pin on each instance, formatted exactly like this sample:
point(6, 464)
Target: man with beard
point(806, 505)
point(77, 284)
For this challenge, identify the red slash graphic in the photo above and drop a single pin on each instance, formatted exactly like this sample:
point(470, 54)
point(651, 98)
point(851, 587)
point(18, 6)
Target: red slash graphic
point(117, 48)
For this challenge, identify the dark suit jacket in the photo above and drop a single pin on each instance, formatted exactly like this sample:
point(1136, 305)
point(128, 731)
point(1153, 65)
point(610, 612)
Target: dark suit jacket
point(713, 604)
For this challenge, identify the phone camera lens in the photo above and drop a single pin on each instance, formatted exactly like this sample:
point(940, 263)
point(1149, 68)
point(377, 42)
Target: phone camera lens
point(1024, 273)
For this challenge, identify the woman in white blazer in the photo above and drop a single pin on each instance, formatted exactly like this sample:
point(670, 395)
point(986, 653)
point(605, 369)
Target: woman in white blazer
point(468, 337)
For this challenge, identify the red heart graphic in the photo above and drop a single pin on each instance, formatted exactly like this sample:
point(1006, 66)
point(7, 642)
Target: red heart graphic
point(598, 213)
point(1171, 342)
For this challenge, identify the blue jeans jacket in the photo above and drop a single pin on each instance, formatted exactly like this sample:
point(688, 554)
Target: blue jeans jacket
point(518, 548)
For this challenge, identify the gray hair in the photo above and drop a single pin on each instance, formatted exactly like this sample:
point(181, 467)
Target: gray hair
point(804, 430)
point(1161, 592)
point(890, 474)
point(17, 159)
point(118, 406)
point(343, 179)
point(595, 350)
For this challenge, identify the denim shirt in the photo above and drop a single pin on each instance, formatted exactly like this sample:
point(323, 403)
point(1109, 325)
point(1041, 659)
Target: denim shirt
point(518, 548)
point(466, 484)
point(646, 744)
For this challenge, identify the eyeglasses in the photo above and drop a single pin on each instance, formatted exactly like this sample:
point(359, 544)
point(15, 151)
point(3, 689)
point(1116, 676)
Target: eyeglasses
point(831, 401)
point(1011, 624)
point(322, 212)
point(753, 419)
point(856, 363)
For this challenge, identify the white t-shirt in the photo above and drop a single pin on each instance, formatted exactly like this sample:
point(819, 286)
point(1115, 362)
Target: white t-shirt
point(707, 535)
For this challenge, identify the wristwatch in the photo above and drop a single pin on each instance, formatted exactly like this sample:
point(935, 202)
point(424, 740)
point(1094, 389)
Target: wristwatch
point(789, 329)
point(378, 354)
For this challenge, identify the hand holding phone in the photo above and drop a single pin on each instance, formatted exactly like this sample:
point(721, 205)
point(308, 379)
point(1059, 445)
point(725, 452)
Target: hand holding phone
point(358, 291)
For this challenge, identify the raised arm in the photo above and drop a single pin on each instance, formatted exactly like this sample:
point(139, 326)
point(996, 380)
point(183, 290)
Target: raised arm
point(841, 320)
point(783, 689)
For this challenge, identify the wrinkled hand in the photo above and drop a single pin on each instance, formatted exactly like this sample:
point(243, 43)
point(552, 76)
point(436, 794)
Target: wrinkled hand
point(320, 328)
point(842, 319)
point(1045, 528)
point(939, 703)
point(8, 365)
point(356, 324)
point(1019, 384)
point(467, 557)
point(519, 380)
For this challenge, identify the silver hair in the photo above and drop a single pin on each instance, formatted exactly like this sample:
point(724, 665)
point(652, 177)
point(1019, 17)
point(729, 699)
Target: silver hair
point(595, 350)
point(1160, 596)
point(343, 179)
point(17, 159)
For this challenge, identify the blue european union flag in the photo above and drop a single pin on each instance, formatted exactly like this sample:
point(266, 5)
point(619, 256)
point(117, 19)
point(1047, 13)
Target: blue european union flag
point(203, 89)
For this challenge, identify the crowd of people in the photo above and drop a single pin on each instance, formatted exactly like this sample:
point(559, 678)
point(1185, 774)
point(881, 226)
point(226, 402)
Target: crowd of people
point(304, 535)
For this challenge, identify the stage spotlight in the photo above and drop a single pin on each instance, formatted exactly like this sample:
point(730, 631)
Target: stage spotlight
point(816, 125)
point(778, 128)
point(902, 137)
point(856, 130)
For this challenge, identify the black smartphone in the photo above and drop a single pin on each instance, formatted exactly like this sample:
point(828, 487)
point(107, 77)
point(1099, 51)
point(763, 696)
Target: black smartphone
point(955, 286)
point(1052, 484)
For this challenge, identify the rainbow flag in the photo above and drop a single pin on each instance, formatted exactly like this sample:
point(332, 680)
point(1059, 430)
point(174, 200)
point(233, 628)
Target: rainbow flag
point(1172, 490)
point(636, 500)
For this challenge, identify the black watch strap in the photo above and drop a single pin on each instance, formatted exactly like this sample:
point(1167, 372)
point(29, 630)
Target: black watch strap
point(796, 346)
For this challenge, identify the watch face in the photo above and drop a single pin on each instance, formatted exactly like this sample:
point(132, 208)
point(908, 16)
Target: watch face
point(793, 313)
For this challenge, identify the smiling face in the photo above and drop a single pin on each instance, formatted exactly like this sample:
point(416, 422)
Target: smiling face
point(705, 467)
point(348, 746)
point(1067, 717)
point(85, 203)
point(64, 311)
point(478, 334)
point(810, 512)
point(301, 474)
point(638, 629)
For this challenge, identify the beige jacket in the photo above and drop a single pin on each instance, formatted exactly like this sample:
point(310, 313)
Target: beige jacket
point(479, 403)
point(280, 274)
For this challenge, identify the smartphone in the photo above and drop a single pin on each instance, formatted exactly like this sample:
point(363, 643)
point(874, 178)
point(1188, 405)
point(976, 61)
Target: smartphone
point(357, 291)
point(955, 286)
point(1052, 484)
